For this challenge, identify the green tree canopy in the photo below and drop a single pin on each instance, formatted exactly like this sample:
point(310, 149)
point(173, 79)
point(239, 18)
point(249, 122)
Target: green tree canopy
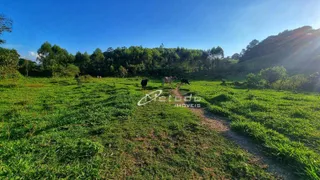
point(9, 59)
point(98, 63)
point(273, 74)
point(54, 58)
point(5, 26)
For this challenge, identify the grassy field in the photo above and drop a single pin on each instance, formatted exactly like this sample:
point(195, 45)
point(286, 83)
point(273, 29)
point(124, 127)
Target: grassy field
point(53, 128)
point(286, 124)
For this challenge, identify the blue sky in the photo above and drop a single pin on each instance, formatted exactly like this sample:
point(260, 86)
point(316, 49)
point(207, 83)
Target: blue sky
point(85, 25)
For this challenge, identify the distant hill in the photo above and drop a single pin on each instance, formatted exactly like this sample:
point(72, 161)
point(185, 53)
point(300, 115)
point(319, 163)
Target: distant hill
point(297, 50)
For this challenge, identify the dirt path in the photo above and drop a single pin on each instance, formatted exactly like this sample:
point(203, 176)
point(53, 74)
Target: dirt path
point(223, 127)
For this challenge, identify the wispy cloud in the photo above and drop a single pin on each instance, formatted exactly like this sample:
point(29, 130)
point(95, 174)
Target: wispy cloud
point(33, 54)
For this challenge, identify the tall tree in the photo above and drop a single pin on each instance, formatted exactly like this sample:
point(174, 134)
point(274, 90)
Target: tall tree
point(5, 26)
point(98, 63)
point(252, 44)
point(218, 53)
point(82, 61)
point(44, 53)
point(54, 59)
point(235, 56)
point(62, 56)
point(27, 67)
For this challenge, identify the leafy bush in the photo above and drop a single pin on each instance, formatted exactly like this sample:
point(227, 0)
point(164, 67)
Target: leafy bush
point(254, 81)
point(273, 74)
point(12, 74)
point(9, 59)
point(86, 78)
point(291, 83)
point(122, 71)
point(69, 71)
point(312, 83)
point(276, 78)
point(299, 82)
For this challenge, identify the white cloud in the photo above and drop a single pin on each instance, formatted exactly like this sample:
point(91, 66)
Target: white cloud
point(33, 54)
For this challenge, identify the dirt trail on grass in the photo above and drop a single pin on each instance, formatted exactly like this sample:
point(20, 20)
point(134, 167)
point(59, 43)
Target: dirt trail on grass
point(222, 126)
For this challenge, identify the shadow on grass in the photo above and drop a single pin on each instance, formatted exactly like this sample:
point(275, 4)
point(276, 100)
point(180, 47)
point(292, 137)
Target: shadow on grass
point(148, 88)
point(8, 85)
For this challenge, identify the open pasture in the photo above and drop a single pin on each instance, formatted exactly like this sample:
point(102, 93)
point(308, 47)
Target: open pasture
point(53, 128)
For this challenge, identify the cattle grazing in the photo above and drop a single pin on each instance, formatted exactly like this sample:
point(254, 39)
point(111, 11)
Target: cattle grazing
point(77, 78)
point(185, 81)
point(168, 80)
point(144, 83)
point(237, 83)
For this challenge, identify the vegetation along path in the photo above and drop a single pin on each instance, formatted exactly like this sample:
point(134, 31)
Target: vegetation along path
point(223, 127)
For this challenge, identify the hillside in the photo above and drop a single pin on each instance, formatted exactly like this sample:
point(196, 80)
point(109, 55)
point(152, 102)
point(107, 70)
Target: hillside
point(297, 50)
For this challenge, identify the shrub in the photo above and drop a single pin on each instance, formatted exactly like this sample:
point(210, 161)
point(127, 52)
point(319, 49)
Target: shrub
point(291, 83)
point(312, 83)
point(254, 81)
point(9, 59)
point(122, 71)
point(69, 71)
point(85, 78)
point(12, 74)
point(273, 74)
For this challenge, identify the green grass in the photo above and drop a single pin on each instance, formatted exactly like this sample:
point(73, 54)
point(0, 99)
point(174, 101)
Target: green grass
point(51, 128)
point(285, 123)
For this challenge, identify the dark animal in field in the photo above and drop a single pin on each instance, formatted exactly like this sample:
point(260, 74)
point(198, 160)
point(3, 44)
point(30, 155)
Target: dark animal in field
point(185, 81)
point(144, 83)
point(168, 80)
point(223, 82)
point(237, 83)
point(77, 78)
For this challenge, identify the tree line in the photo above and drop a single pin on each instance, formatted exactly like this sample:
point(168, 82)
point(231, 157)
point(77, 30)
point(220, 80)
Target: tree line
point(55, 61)
point(122, 61)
